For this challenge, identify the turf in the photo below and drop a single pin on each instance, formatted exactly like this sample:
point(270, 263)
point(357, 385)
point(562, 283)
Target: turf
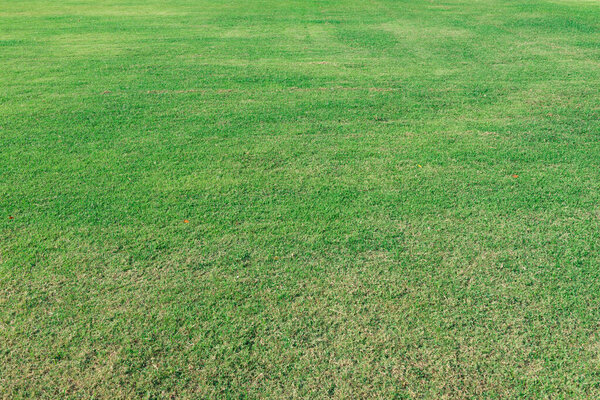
point(299, 199)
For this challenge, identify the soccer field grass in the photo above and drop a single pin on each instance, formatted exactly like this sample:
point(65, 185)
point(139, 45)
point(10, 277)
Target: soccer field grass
point(299, 199)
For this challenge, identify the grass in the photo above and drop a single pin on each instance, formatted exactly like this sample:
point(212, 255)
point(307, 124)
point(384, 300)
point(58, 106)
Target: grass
point(384, 199)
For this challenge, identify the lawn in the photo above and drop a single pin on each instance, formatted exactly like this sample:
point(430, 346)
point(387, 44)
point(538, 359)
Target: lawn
point(299, 199)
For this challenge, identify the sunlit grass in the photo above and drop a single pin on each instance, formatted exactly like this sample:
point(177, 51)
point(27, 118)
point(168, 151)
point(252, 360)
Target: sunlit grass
point(299, 199)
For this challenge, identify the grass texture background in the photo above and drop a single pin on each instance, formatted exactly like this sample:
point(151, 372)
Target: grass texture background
point(299, 199)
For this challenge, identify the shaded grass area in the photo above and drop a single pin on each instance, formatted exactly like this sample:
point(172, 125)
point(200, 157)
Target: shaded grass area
point(384, 199)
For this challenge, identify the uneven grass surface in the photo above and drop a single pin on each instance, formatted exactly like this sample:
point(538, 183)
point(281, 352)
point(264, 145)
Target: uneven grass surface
point(299, 199)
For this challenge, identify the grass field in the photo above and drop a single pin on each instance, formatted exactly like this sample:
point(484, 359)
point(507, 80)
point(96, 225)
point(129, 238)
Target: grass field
point(299, 199)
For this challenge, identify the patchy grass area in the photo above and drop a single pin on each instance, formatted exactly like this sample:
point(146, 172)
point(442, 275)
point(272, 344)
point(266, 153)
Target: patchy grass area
point(299, 199)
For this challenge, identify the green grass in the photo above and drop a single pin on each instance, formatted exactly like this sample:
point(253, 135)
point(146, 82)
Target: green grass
point(386, 199)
